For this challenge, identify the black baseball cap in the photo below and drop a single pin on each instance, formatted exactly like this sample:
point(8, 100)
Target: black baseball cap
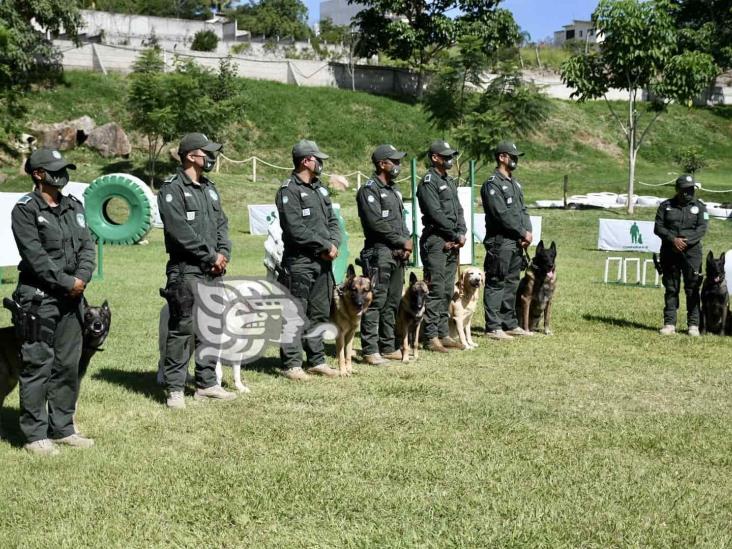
point(442, 148)
point(383, 152)
point(304, 148)
point(47, 159)
point(194, 141)
point(685, 181)
point(506, 147)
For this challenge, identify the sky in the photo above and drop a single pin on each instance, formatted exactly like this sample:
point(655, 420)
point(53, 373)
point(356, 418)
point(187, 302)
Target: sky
point(539, 17)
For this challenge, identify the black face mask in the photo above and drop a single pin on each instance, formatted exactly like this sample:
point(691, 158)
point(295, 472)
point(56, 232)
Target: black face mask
point(513, 164)
point(57, 179)
point(208, 163)
point(448, 163)
point(318, 167)
point(686, 196)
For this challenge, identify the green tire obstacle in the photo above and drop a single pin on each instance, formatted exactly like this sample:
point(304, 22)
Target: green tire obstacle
point(130, 190)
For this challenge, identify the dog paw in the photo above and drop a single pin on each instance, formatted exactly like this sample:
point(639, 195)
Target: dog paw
point(243, 389)
point(548, 332)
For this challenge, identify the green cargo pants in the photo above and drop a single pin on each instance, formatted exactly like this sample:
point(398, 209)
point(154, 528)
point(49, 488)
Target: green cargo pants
point(379, 320)
point(675, 266)
point(49, 376)
point(440, 268)
point(310, 281)
point(181, 338)
point(502, 268)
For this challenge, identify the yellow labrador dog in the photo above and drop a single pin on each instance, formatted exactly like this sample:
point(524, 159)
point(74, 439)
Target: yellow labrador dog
point(463, 304)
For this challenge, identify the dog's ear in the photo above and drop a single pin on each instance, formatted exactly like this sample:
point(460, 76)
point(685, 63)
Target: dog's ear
point(350, 272)
point(428, 279)
point(84, 301)
point(540, 247)
point(412, 278)
point(105, 305)
point(722, 259)
point(553, 247)
point(710, 258)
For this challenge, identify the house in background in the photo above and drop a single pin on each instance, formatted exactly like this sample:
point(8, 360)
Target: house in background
point(580, 30)
point(340, 12)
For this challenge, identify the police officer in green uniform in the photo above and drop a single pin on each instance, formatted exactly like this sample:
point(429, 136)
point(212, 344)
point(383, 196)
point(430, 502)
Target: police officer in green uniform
point(681, 223)
point(442, 237)
point(387, 247)
point(57, 261)
point(197, 241)
point(507, 235)
point(311, 236)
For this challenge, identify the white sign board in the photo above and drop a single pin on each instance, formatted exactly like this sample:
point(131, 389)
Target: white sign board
point(627, 236)
point(261, 215)
point(9, 251)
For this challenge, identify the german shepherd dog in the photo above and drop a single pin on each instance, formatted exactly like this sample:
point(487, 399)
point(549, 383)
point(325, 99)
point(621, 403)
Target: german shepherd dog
point(463, 304)
point(715, 315)
point(536, 290)
point(97, 322)
point(350, 301)
point(409, 317)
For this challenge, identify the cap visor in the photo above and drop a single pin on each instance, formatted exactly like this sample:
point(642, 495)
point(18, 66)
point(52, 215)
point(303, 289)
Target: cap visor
point(211, 147)
point(321, 155)
point(59, 165)
point(449, 152)
point(397, 155)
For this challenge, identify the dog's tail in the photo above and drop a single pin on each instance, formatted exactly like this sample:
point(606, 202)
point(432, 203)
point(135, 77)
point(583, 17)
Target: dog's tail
point(657, 264)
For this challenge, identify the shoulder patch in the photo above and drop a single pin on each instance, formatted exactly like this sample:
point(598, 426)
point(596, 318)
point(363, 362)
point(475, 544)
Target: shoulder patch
point(370, 183)
point(24, 199)
point(427, 178)
point(323, 191)
point(72, 197)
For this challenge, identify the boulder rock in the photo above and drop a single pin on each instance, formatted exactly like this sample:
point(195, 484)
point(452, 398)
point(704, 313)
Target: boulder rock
point(64, 135)
point(109, 140)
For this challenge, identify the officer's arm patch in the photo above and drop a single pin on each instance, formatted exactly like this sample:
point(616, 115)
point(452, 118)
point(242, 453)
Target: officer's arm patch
point(25, 199)
point(427, 178)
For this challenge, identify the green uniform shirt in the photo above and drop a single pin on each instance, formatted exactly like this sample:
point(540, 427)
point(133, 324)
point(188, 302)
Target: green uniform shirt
point(505, 211)
point(442, 213)
point(309, 226)
point(54, 243)
point(381, 211)
point(674, 219)
point(195, 225)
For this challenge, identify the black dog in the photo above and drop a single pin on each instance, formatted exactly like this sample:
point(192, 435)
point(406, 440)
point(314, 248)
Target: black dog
point(715, 315)
point(97, 321)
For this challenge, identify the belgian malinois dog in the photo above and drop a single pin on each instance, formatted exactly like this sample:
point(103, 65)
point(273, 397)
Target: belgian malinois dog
point(715, 315)
point(97, 321)
point(350, 301)
point(536, 290)
point(410, 315)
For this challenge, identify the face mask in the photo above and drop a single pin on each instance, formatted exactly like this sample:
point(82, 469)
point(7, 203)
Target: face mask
point(318, 167)
point(513, 164)
point(448, 163)
point(57, 179)
point(208, 163)
point(686, 196)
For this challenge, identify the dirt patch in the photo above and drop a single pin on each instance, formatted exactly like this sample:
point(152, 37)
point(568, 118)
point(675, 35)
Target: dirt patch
point(600, 144)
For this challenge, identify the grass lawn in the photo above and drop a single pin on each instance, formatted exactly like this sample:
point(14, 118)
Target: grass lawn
point(605, 434)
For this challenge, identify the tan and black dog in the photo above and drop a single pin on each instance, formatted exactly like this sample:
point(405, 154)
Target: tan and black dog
point(536, 290)
point(97, 322)
point(350, 301)
point(463, 304)
point(409, 317)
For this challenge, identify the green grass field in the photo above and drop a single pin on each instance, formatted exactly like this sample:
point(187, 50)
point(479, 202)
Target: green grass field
point(603, 435)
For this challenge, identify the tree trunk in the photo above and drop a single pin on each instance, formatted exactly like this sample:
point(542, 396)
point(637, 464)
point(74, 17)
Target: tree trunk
point(632, 150)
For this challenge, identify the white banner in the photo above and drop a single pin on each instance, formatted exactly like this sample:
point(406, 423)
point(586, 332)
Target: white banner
point(627, 236)
point(261, 215)
point(9, 251)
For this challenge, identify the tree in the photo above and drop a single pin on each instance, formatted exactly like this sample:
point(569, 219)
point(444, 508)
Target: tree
point(164, 106)
point(274, 18)
point(205, 40)
point(481, 114)
point(639, 51)
point(417, 31)
point(705, 25)
point(184, 9)
point(27, 56)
